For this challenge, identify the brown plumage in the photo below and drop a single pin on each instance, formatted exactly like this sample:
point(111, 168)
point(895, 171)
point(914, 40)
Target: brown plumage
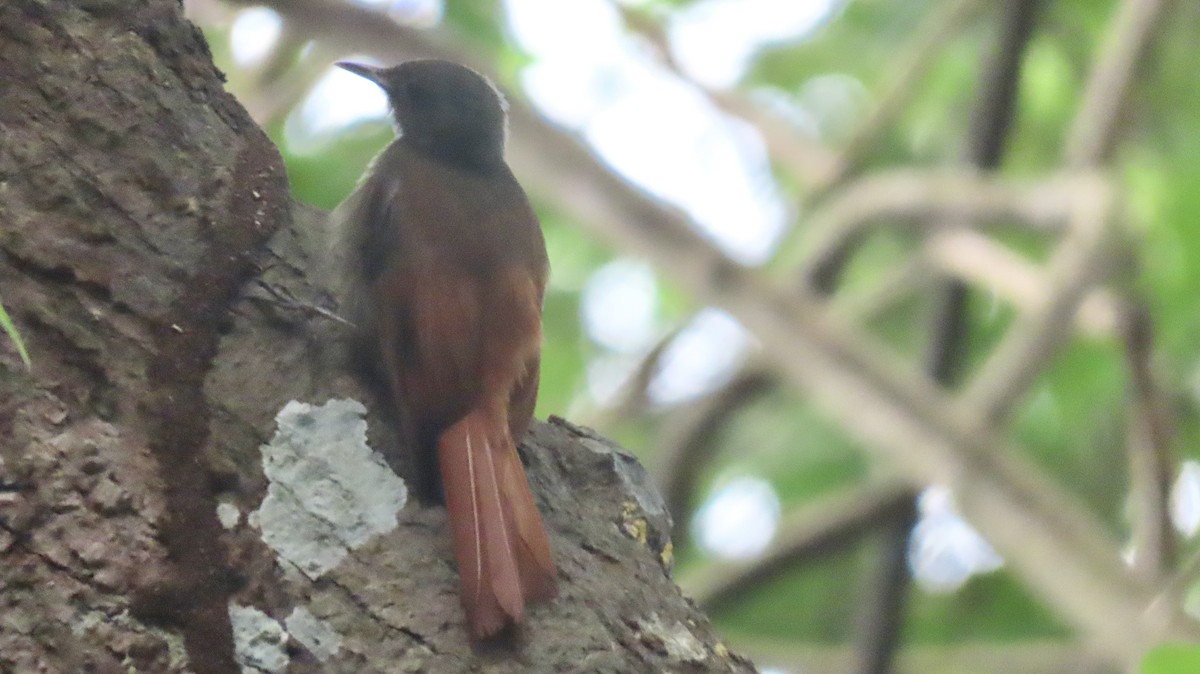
point(445, 272)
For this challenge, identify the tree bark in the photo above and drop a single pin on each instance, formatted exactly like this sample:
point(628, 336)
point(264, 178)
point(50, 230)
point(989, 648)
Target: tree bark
point(185, 478)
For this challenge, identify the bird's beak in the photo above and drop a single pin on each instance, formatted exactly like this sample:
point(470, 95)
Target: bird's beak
point(373, 73)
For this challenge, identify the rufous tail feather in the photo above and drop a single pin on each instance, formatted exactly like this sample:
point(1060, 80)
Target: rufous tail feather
point(500, 543)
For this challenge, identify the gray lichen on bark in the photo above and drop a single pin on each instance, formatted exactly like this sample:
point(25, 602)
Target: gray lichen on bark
point(327, 491)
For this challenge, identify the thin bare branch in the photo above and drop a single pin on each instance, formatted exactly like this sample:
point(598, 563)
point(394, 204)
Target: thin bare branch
point(903, 82)
point(908, 278)
point(946, 353)
point(979, 260)
point(284, 82)
point(886, 598)
point(1175, 590)
point(1084, 258)
point(827, 526)
point(1151, 465)
point(1091, 141)
point(689, 444)
point(1094, 133)
point(633, 397)
point(908, 198)
point(804, 156)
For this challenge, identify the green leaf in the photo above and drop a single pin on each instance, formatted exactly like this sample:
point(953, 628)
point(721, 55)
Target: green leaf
point(11, 330)
point(1172, 659)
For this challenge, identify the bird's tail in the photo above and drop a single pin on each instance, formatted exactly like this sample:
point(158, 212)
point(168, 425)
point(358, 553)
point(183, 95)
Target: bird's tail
point(499, 541)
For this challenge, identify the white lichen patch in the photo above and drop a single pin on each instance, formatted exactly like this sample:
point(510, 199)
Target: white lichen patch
point(228, 514)
point(258, 641)
point(328, 492)
point(317, 636)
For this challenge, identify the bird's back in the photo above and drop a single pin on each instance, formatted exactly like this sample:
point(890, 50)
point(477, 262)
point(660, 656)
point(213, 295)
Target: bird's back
point(454, 264)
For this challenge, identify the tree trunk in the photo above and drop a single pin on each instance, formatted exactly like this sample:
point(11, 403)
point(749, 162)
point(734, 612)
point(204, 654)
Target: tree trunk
point(185, 479)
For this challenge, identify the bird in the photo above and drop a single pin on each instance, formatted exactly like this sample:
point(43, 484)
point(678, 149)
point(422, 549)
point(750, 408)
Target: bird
point(443, 270)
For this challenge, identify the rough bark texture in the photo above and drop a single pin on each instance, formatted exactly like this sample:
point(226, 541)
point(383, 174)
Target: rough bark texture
point(159, 508)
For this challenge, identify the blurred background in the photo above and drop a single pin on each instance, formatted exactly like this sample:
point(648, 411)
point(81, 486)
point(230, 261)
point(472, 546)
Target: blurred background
point(822, 144)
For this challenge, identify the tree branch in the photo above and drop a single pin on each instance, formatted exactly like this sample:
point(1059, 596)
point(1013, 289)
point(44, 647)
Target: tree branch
point(887, 594)
point(979, 260)
point(1151, 464)
point(1090, 142)
point(1083, 259)
point(819, 529)
point(912, 198)
point(688, 446)
point(945, 358)
point(805, 157)
point(902, 83)
point(1094, 133)
point(633, 397)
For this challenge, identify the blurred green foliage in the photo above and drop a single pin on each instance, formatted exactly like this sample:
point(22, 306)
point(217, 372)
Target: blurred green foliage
point(1172, 659)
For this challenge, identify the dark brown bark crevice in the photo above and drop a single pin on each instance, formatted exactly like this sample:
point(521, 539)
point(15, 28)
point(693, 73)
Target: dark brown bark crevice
point(185, 344)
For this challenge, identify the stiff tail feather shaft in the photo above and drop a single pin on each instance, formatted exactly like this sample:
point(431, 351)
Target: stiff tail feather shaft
point(499, 540)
